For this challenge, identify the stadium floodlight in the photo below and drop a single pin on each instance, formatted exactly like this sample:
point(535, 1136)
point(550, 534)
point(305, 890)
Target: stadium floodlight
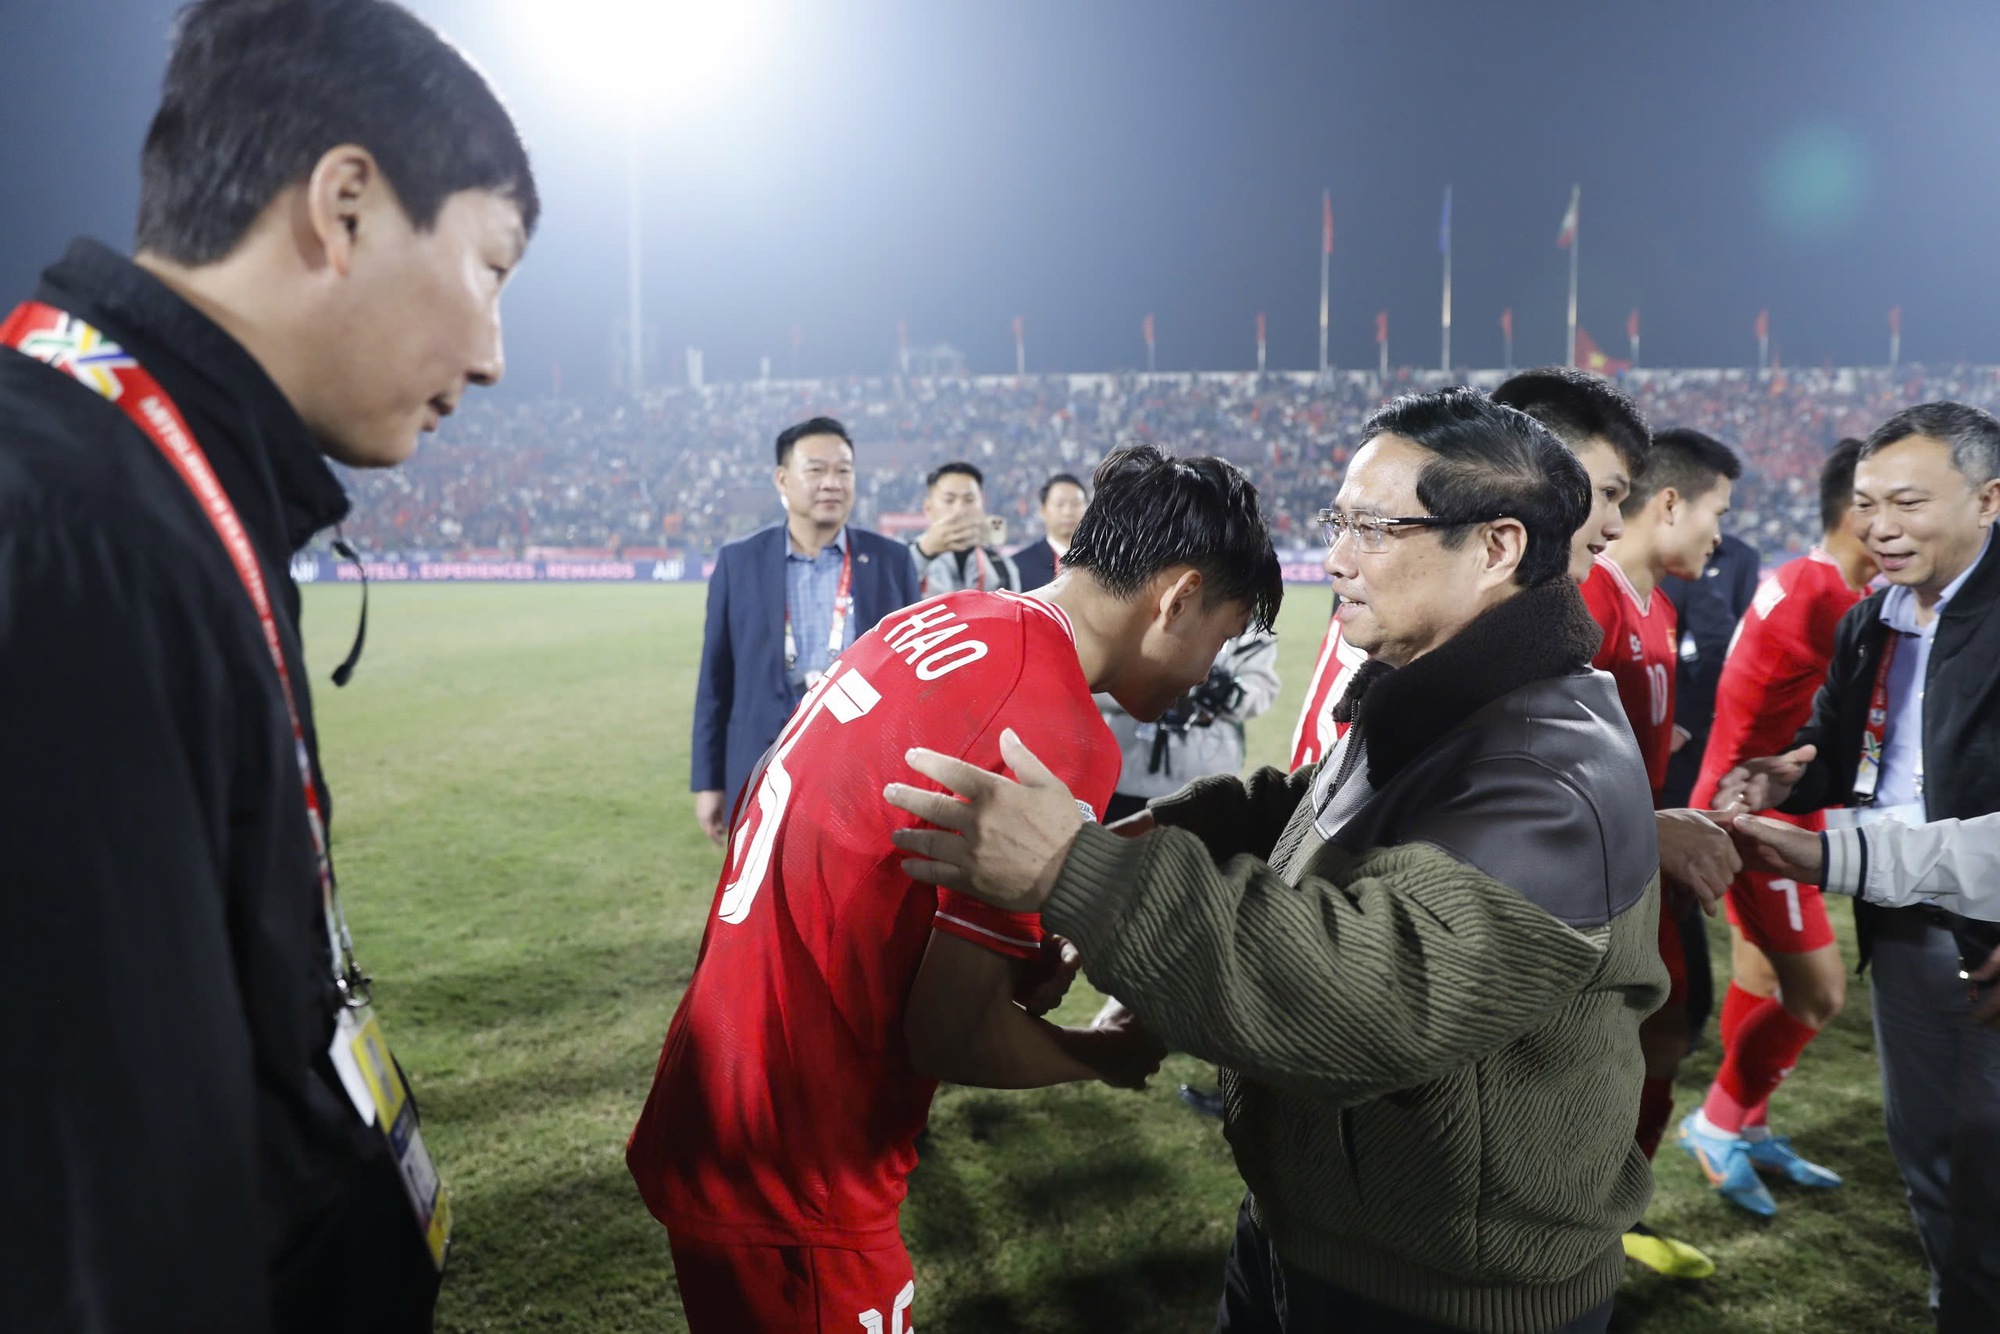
point(645, 55)
point(650, 60)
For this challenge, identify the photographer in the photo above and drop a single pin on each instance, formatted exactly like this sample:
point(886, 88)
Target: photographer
point(961, 548)
point(1202, 734)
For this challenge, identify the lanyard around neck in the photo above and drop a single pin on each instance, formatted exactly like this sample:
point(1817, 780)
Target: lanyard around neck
point(843, 600)
point(79, 350)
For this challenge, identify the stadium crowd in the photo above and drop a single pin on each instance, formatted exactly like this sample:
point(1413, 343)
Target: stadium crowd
point(690, 470)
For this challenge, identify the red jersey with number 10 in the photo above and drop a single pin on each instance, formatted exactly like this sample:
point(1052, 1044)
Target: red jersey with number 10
point(1776, 662)
point(785, 1108)
point(1639, 652)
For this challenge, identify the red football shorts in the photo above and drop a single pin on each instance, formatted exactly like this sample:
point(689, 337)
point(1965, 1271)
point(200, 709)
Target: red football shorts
point(737, 1289)
point(1777, 914)
point(1673, 953)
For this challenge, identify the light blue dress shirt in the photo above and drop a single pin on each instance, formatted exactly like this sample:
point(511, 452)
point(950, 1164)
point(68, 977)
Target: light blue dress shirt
point(811, 586)
point(1902, 779)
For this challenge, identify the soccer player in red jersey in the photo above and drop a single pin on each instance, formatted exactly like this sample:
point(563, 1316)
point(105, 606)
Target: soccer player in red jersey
point(1787, 980)
point(1609, 436)
point(832, 992)
point(1317, 728)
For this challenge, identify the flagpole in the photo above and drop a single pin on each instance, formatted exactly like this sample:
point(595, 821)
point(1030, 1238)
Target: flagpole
point(636, 365)
point(1575, 243)
point(1446, 364)
point(1325, 268)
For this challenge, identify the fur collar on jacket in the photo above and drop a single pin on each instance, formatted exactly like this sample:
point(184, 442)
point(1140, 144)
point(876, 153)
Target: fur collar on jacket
point(1538, 633)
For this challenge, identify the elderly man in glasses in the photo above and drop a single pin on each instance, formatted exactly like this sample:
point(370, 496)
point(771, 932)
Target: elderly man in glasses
point(1421, 962)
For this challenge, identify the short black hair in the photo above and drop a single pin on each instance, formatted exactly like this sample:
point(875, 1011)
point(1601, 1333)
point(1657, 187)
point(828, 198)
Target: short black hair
point(1971, 433)
point(257, 91)
point(1579, 406)
point(1150, 511)
point(959, 467)
point(1492, 461)
point(1836, 484)
point(791, 435)
point(1057, 481)
point(1688, 461)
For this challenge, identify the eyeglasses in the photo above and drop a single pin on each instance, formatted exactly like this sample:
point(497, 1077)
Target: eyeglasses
point(1371, 531)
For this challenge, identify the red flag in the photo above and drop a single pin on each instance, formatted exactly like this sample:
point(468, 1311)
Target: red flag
point(1507, 322)
point(1896, 320)
point(1764, 324)
point(1147, 328)
point(1591, 357)
point(1568, 232)
point(1381, 326)
point(1260, 326)
point(1017, 328)
point(1326, 222)
point(1632, 324)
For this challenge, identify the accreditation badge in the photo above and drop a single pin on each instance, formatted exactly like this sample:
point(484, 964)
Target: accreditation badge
point(361, 1056)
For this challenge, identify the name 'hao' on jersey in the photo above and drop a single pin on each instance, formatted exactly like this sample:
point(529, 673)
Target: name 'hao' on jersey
point(785, 1108)
point(1639, 652)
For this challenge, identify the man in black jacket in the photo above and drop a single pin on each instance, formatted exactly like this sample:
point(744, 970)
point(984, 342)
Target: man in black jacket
point(332, 198)
point(1907, 726)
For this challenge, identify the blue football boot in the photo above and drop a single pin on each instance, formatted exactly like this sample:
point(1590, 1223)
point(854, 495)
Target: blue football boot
point(1725, 1161)
point(1775, 1156)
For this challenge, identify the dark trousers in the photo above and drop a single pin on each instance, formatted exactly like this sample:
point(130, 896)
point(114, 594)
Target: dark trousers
point(1261, 1294)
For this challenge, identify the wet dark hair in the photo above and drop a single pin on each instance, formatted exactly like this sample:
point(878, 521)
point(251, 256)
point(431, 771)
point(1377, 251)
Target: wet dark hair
point(1150, 511)
point(1492, 461)
point(258, 91)
point(1688, 461)
point(1058, 480)
point(1836, 484)
point(791, 435)
point(958, 468)
point(1578, 407)
point(1972, 435)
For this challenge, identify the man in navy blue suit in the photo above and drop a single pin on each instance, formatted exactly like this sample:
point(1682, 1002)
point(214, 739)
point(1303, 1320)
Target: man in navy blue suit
point(782, 604)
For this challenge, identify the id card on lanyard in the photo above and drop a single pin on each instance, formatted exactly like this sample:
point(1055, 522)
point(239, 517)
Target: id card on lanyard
point(836, 637)
point(359, 1053)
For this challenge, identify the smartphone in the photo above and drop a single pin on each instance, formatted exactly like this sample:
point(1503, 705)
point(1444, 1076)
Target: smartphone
point(996, 530)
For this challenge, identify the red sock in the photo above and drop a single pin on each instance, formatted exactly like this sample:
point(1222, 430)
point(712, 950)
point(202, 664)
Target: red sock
point(1737, 1004)
point(1766, 1046)
point(1656, 1104)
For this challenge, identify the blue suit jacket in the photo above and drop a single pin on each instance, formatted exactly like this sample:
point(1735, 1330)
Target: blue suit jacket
point(743, 696)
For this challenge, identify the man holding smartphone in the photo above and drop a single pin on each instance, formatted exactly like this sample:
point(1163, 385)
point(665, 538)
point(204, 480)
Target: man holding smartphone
point(961, 548)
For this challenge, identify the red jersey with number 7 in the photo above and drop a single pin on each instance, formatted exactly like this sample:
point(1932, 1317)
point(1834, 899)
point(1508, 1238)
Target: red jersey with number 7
point(1639, 652)
point(785, 1108)
point(1777, 662)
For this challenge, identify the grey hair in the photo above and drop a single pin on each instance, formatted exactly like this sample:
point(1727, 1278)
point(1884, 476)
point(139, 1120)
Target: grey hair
point(1972, 434)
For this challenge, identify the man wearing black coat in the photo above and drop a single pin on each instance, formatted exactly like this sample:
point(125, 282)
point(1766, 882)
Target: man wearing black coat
point(332, 198)
point(1907, 727)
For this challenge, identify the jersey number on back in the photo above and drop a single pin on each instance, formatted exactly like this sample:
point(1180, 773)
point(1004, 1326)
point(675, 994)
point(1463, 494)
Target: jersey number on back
point(842, 692)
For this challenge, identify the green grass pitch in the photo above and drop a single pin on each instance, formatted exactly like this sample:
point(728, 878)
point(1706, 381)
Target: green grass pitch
point(526, 883)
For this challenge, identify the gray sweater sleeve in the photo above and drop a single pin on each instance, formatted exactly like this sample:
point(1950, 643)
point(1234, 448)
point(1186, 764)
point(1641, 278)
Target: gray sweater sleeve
point(1379, 973)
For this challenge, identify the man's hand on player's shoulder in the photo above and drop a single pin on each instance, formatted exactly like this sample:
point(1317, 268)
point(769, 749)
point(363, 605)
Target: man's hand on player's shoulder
point(1004, 842)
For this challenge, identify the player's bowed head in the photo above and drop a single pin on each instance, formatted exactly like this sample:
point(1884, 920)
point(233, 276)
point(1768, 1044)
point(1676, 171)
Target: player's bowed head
point(1170, 559)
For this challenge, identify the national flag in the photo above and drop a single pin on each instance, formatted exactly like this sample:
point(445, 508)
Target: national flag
point(1507, 322)
point(1896, 320)
point(1568, 232)
point(1632, 325)
point(1444, 225)
point(1326, 222)
point(1260, 326)
point(1764, 324)
point(1146, 327)
point(1381, 326)
point(1591, 357)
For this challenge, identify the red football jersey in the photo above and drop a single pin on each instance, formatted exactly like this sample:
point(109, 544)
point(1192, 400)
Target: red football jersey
point(785, 1107)
point(1776, 662)
point(1317, 731)
point(1639, 652)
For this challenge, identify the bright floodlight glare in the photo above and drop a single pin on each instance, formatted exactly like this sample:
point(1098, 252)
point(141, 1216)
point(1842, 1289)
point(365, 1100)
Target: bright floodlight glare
point(644, 54)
